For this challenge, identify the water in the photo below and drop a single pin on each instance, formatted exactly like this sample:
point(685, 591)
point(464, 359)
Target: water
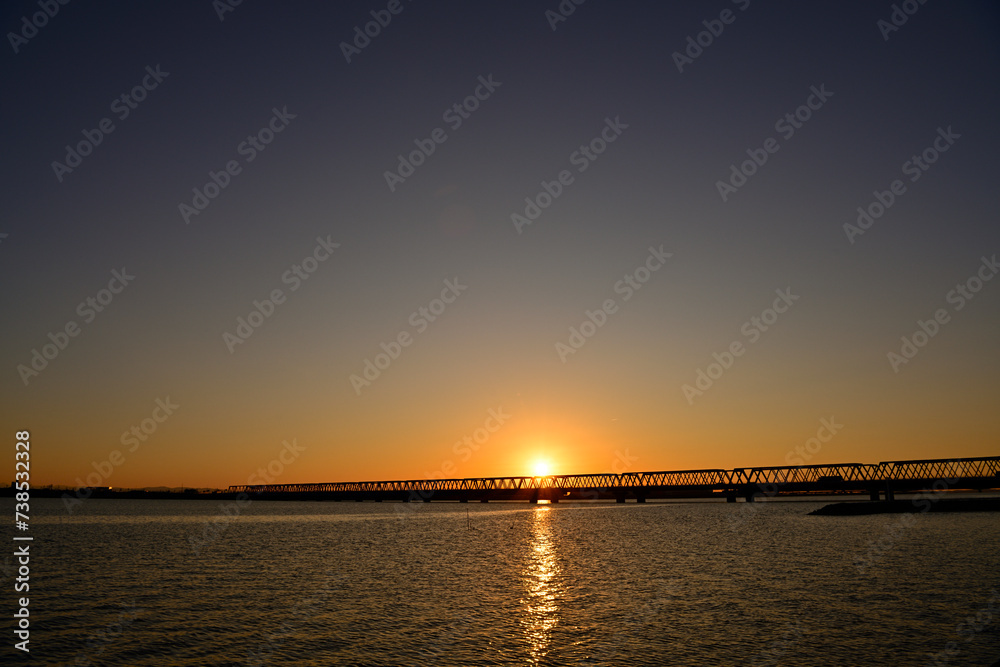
point(137, 583)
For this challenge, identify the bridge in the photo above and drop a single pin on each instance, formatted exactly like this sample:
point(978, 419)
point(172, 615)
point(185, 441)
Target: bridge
point(878, 480)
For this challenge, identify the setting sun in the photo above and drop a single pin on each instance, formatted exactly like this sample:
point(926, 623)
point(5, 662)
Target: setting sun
point(541, 468)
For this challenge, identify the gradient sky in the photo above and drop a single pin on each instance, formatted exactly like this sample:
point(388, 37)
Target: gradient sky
point(616, 403)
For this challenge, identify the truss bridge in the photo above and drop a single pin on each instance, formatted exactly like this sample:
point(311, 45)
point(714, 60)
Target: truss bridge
point(878, 480)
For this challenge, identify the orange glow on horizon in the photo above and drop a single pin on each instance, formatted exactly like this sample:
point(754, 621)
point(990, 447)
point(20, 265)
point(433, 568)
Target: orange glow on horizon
point(541, 468)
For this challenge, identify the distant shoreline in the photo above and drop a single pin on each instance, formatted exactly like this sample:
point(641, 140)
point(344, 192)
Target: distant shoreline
point(106, 492)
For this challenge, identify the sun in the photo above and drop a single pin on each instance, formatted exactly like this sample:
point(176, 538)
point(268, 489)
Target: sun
point(541, 468)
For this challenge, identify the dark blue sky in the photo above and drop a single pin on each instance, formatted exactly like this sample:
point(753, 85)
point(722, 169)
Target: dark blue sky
point(629, 386)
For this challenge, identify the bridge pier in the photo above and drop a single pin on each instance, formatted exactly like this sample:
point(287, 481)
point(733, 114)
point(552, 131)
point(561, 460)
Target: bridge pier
point(463, 500)
point(873, 494)
point(730, 497)
point(620, 499)
point(484, 500)
point(889, 493)
point(640, 499)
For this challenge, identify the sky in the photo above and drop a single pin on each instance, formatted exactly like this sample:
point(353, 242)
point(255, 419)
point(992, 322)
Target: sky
point(400, 240)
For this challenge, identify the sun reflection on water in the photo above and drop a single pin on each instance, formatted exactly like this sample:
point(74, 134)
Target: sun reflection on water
point(541, 603)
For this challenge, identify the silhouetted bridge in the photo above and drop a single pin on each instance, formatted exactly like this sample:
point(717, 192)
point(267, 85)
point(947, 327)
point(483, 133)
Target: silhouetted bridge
point(880, 479)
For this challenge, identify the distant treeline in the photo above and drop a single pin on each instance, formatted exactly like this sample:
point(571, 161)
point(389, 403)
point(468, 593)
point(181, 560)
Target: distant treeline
point(110, 492)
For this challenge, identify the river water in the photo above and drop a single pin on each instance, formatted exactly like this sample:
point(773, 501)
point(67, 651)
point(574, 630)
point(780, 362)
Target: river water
point(194, 582)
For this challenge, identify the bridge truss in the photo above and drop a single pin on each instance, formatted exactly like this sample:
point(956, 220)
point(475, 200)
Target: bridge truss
point(887, 477)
